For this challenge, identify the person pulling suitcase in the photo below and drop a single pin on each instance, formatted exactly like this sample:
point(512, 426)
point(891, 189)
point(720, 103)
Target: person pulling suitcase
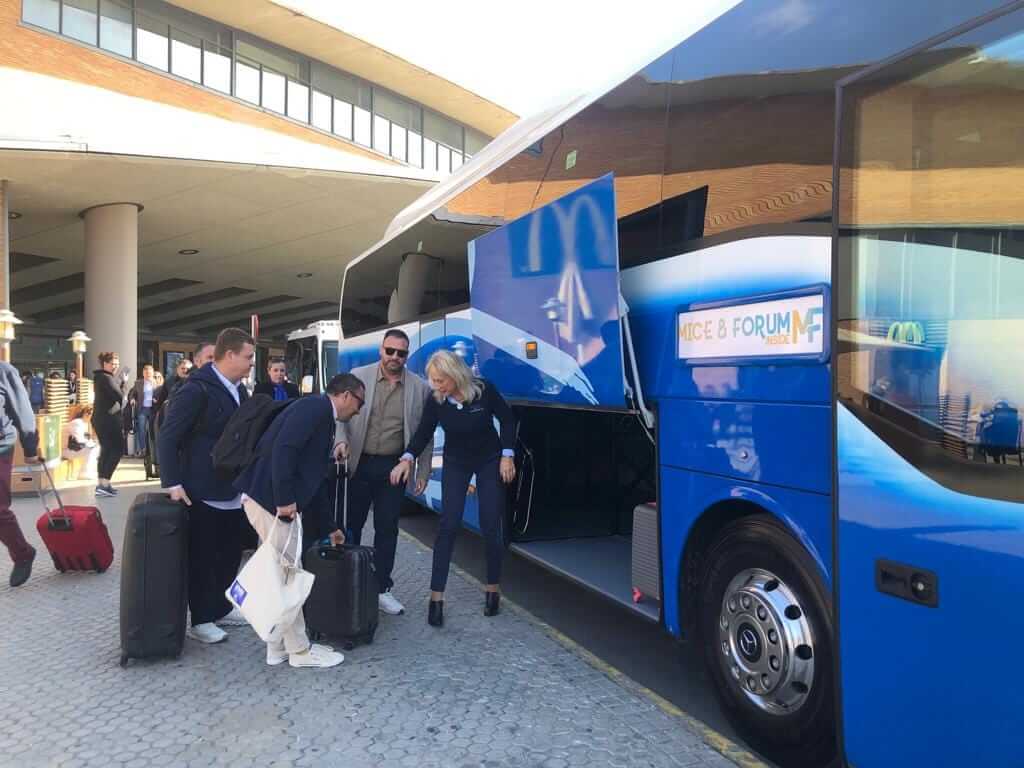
point(344, 600)
point(282, 479)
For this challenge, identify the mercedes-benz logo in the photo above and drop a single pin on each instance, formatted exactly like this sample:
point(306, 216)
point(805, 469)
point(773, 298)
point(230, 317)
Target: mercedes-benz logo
point(749, 643)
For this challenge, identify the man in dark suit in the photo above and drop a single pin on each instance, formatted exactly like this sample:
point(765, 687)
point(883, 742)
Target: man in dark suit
point(195, 419)
point(291, 461)
point(277, 386)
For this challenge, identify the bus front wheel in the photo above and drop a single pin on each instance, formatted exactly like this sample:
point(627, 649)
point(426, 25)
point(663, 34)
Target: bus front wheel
point(765, 627)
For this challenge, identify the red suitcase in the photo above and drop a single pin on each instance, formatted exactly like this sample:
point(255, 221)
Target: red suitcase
point(76, 537)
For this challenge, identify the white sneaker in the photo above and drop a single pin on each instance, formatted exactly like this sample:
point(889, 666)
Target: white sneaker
point(319, 656)
point(207, 633)
point(389, 604)
point(233, 619)
point(278, 655)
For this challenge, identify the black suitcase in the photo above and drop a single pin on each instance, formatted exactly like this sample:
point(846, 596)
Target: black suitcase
point(154, 581)
point(343, 601)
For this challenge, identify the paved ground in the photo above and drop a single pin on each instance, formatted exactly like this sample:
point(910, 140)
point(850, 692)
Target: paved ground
point(480, 692)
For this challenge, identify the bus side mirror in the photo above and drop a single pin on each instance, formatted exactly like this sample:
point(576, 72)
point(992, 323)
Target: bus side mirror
point(307, 385)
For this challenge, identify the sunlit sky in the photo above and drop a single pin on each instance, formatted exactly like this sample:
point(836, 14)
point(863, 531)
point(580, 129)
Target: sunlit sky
point(526, 55)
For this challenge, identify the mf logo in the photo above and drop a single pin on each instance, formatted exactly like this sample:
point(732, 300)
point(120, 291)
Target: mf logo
point(809, 323)
point(906, 332)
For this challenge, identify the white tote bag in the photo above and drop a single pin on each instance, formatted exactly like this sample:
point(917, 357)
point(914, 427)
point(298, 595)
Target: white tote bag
point(271, 589)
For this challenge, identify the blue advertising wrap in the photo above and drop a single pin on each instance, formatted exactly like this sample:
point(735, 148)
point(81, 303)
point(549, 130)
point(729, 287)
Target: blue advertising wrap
point(545, 296)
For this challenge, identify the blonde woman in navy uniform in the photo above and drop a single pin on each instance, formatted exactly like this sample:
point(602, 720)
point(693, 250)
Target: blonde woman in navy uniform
point(465, 407)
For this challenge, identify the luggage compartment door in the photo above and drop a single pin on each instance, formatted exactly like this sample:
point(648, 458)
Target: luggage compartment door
point(544, 292)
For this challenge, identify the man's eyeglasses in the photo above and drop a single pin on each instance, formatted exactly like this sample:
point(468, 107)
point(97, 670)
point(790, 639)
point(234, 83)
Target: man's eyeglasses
point(392, 352)
point(361, 400)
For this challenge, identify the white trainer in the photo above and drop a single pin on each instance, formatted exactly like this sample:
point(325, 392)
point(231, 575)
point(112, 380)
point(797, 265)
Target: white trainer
point(318, 656)
point(207, 633)
point(389, 604)
point(278, 655)
point(233, 619)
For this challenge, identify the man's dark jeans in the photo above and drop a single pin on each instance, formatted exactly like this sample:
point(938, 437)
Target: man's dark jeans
point(372, 485)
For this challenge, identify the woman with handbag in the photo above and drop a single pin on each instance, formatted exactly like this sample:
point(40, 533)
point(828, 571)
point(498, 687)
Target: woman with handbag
point(79, 443)
point(465, 407)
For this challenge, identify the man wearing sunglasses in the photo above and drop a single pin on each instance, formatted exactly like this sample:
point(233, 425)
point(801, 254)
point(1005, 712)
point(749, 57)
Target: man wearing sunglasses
point(373, 441)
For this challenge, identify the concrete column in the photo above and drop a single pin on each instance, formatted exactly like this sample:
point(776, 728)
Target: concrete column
point(5, 268)
point(112, 282)
point(5, 247)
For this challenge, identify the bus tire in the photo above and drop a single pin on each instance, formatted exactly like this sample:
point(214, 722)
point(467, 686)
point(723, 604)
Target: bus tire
point(764, 620)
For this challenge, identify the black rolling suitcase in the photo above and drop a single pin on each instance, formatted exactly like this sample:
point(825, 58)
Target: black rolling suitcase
point(343, 601)
point(154, 582)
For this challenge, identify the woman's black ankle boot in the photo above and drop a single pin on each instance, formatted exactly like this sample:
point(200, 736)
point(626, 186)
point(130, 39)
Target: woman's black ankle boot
point(492, 603)
point(435, 613)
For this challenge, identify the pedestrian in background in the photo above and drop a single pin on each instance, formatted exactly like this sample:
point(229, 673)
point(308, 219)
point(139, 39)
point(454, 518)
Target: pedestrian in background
point(142, 396)
point(79, 442)
point(465, 407)
point(110, 388)
point(37, 391)
point(16, 422)
point(73, 388)
point(205, 351)
point(277, 385)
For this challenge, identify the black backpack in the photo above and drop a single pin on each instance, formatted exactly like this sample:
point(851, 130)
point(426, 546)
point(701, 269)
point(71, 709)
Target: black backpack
point(236, 447)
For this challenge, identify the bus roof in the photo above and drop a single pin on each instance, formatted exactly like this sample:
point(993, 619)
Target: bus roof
point(327, 328)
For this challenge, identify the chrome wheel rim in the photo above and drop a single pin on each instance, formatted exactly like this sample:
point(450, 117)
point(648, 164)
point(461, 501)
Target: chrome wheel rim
point(766, 643)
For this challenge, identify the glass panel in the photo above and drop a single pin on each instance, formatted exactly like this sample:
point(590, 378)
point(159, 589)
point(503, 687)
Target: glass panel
point(116, 27)
point(183, 21)
point(932, 310)
point(298, 101)
point(343, 119)
point(456, 161)
point(151, 41)
point(42, 13)
point(398, 142)
point(381, 134)
point(362, 126)
point(321, 111)
point(475, 141)
point(444, 159)
point(79, 20)
point(273, 91)
point(186, 55)
point(247, 82)
point(442, 130)
point(217, 68)
point(340, 85)
point(277, 59)
point(397, 110)
point(415, 149)
point(429, 155)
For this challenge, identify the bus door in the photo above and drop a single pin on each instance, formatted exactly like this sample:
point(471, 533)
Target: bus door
point(930, 381)
point(544, 292)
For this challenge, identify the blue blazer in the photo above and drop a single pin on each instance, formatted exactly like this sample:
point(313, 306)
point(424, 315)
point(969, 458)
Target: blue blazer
point(195, 420)
point(292, 457)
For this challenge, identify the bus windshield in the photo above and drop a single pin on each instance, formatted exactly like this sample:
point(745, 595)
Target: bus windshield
point(329, 360)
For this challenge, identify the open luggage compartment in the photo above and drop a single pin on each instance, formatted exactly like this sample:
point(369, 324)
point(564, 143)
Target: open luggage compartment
point(583, 474)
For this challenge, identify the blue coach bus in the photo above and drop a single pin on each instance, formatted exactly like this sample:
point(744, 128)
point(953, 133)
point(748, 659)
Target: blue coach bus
point(759, 307)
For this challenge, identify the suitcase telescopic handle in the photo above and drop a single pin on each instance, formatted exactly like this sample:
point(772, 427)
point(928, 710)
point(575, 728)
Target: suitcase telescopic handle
point(337, 487)
point(52, 489)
